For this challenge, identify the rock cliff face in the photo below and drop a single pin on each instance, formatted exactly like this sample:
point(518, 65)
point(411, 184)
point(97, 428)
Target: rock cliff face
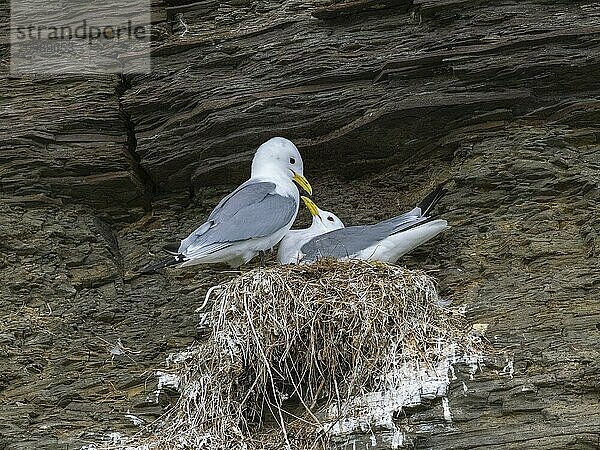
point(384, 99)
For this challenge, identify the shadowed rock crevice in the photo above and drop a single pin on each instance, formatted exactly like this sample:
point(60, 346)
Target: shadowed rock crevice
point(150, 188)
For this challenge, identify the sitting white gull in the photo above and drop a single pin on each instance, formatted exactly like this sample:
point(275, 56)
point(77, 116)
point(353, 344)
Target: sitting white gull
point(385, 241)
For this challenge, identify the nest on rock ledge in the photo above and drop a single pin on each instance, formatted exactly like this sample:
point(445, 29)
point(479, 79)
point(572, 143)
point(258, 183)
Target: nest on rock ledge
point(293, 347)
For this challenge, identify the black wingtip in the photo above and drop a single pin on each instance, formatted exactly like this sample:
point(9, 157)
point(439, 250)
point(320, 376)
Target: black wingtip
point(154, 268)
point(172, 248)
point(429, 202)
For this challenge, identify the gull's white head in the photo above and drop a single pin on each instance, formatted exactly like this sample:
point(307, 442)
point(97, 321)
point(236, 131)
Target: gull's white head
point(323, 220)
point(279, 156)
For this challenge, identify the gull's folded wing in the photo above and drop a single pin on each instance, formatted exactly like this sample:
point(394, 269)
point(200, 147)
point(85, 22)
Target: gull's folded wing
point(345, 242)
point(252, 211)
point(348, 242)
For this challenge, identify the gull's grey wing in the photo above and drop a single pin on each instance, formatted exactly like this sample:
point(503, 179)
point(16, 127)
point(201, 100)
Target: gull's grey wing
point(246, 193)
point(346, 242)
point(252, 211)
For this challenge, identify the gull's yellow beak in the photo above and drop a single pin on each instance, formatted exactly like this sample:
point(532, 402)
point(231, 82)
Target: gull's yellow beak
point(302, 182)
point(310, 205)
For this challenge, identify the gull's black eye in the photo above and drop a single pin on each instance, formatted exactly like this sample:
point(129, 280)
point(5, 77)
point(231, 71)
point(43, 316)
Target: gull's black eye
point(330, 218)
point(292, 161)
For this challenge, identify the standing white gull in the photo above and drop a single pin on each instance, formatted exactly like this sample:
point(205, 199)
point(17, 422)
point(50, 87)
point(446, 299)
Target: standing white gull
point(254, 217)
point(322, 222)
point(385, 241)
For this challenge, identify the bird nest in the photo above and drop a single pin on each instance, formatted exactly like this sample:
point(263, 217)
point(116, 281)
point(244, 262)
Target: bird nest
point(294, 349)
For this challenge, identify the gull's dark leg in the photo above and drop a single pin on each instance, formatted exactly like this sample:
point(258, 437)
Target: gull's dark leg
point(261, 254)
